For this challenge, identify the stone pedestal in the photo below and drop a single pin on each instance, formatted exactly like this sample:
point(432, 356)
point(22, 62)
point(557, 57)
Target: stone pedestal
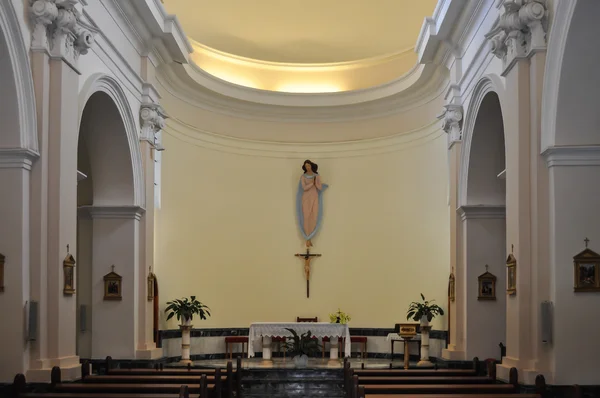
point(185, 343)
point(424, 347)
point(334, 348)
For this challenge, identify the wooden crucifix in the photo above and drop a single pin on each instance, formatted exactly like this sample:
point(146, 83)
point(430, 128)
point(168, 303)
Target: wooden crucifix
point(307, 257)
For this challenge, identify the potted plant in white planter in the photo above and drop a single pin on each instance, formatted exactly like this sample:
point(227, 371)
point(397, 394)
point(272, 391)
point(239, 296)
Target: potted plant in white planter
point(185, 310)
point(424, 312)
point(301, 346)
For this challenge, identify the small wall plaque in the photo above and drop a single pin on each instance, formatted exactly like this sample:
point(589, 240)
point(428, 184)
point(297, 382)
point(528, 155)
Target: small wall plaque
point(69, 274)
point(150, 288)
point(452, 286)
point(487, 285)
point(511, 274)
point(112, 285)
point(2, 259)
point(587, 270)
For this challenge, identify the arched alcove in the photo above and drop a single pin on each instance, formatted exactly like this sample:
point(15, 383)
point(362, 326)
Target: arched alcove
point(483, 215)
point(106, 184)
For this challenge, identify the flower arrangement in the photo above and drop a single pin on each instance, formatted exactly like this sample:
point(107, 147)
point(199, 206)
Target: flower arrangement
point(339, 317)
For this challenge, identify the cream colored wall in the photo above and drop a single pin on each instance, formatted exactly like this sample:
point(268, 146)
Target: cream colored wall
point(227, 233)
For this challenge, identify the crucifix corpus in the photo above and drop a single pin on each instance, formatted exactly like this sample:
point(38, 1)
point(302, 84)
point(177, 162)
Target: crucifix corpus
point(307, 257)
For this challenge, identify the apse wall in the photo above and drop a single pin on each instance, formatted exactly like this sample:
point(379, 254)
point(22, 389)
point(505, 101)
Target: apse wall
point(226, 229)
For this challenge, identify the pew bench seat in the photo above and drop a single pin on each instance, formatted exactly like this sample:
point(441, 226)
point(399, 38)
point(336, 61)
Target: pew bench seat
point(134, 379)
point(93, 395)
point(425, 380)
point(439, 388)
point(414, 372)
point(127, 388)
point(453, 396)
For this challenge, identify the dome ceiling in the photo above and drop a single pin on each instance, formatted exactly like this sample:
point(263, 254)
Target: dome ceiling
point(303, 45)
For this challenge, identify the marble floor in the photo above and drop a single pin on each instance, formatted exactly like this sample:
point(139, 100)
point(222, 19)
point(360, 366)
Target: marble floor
point(281, 363)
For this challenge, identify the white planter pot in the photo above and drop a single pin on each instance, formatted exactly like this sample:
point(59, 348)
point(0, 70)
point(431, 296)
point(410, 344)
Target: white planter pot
point(186, 327)
point(301, 361)
point(424, 321)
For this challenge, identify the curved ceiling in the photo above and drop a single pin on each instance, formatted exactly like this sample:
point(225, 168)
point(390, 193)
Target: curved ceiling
point(303, 45)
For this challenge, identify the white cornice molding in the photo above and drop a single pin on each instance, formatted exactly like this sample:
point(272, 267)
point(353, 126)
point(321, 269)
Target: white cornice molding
point(367, 147)
point(111, 212)
point(17, 158)
point(481, 212)
point(181, 87)
point(560, 156)
point(417, 76)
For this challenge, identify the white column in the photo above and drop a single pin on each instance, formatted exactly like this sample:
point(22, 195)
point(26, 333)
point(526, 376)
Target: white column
point(519, 40)
point(54, 186)
point(152, 121)
point(574, 216)
point(452, 126)
point(116, 241)
point(484, 231)
point(15, 166)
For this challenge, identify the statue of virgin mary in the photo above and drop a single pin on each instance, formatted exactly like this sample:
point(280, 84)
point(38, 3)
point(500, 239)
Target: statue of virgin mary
point(309, 201)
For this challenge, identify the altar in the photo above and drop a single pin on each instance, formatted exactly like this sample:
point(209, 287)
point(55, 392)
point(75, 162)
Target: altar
point(268, 330)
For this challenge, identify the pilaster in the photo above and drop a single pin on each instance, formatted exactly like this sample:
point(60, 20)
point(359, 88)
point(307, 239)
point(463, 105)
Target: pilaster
point(15, 169)
point(59, 39)
point(519, 40)
point(116, 241)
point(152, 120)
point(452, 125)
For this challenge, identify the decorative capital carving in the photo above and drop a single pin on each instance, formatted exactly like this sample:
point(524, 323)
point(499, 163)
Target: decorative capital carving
point(58, 29)
point(152, 119)
point(453, 115)
point(520, 31)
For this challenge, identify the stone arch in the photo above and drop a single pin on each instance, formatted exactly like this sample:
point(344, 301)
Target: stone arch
point(487, 96)
point(570, 114)
point(16, 84)
point(100, 85)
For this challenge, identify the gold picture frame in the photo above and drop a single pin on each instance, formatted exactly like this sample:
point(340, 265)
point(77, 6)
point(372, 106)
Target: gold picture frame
point(2, 260)
point(586, 270)
point(113, 285)
point(487, 286)
point(150, 287)
point(452, 286)
point(69, 275)
point(511, 275)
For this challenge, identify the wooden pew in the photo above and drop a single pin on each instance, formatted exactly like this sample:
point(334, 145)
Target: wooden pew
point(19, 391)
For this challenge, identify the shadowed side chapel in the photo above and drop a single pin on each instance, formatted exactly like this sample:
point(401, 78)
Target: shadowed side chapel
point(299, 198)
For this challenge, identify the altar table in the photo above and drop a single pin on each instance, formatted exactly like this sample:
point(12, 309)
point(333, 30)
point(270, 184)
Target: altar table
point(267, 330)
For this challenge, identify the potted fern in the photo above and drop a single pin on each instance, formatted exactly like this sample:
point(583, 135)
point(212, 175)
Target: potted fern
point(424, 311)
point(185, 309)
point(301, 346)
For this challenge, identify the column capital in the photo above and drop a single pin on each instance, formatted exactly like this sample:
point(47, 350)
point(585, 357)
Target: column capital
point(470, 212)
point(452, 122)
point(17, 158)
point(59, 31)
point(111, 212)
point(520, 31)
point(152, 120)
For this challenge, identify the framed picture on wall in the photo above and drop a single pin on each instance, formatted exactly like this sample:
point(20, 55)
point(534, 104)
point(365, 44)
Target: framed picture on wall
point(69, 275)
point(113, 285)
point(587, 267)
point(487, 285)
point(2, 258)
point(511, 275)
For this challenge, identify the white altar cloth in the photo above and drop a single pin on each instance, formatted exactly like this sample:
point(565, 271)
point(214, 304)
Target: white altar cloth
point(317, 329)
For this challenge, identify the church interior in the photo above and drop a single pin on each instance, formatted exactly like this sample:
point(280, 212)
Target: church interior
point(299, 198)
